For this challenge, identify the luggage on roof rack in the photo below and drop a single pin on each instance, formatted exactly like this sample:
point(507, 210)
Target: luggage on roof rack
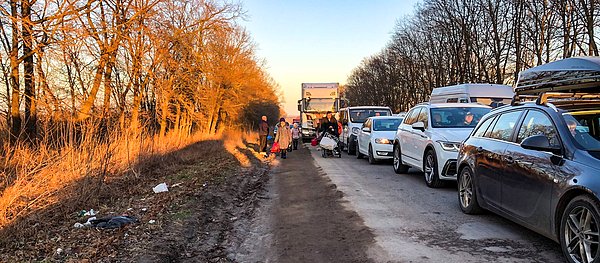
point(574, 75)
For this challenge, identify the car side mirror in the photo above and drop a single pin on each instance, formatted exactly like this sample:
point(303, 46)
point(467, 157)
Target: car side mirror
point(366, 129)
point(419, 126)
point(540, 143)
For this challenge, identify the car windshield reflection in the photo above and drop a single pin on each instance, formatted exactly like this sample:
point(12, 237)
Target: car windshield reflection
point(584, 130)
point(463, 117)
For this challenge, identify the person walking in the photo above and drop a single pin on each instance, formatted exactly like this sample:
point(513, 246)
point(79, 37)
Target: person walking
point(329, 124)
point(283, 137)
point(263, 132)
point(295, 136)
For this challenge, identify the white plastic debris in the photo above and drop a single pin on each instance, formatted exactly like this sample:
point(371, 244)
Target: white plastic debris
point(144, 209)
point(130, 209)
point(152, 221)
point(90, 213)
point(59, 251)
point(78, 225)
point(204, 184)
point(176, 185)
point(160, 188)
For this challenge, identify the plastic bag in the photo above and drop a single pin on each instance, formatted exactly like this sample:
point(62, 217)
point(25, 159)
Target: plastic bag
point(275, 147)
point(328, 143)
point(113, 222)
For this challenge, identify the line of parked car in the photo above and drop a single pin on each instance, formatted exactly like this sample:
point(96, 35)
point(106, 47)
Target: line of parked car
point(529, 153)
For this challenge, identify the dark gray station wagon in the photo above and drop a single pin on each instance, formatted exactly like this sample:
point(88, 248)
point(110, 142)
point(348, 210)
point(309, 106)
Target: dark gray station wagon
point(538, 163)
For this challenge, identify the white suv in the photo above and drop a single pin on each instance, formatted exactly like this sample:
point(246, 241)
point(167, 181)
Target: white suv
point(429, 138)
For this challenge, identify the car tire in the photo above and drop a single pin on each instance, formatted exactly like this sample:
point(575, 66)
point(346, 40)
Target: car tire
point(372, 159)
point(358, 154)
point(467, 196)
point(573, 228)
point(399, 167)
point(352, 147)
point(430, 170)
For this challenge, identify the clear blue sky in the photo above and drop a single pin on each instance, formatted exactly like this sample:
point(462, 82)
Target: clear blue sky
point(319, 40)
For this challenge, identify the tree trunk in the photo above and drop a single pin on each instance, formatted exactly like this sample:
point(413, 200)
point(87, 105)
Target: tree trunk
point(28, 65)
point(15, 115)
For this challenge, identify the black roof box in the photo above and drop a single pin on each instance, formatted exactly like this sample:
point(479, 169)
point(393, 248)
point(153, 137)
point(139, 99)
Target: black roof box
point(578, 74)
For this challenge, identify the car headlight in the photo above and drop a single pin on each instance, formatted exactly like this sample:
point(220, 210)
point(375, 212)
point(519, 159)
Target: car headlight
point(355, 130)
point(450, 146)
point(383, 141)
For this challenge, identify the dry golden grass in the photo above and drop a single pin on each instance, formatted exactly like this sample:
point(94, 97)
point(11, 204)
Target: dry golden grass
point(35, 179)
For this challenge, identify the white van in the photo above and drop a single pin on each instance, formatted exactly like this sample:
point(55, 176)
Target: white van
point(493, 95)
point(352, 119)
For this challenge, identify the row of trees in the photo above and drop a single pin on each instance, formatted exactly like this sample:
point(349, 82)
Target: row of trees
point(472, 41)
point(161, 64)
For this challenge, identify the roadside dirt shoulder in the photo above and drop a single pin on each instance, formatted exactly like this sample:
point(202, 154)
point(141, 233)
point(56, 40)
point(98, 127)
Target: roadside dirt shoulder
point(309, 220)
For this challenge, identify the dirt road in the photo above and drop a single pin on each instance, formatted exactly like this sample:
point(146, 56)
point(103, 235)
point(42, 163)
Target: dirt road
point(304, 219)
point(345, 210)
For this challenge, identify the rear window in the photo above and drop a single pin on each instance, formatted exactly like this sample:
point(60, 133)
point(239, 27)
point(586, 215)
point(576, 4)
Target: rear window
point(360, 115)
point(492, 102)
point(386, 124)
point(457, 117)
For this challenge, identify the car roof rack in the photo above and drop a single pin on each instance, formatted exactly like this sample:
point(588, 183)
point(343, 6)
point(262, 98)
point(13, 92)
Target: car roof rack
point(576, 78)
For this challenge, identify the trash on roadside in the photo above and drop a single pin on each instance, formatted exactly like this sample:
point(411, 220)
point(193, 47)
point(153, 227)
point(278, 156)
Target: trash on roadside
point(88, 213)
point(152, 221)
point(59, 251)
point(113, 222)
point(204, 184)
point(144, 209)
point(78, 225)
point(176, 185)
point(130, 209)
point(160, 188)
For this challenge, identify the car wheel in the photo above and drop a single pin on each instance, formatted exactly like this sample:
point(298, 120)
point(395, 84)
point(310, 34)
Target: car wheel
point(372, 159)
point(579, 230)
point(432, 178)
point(358, 154)
point(467, 197)
point(399, 168)
point(352, 147)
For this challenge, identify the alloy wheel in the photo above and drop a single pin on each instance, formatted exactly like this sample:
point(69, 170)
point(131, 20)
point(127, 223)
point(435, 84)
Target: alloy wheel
point(465, 189)
point(396, 158)
point(429, 166)
point(581, 235)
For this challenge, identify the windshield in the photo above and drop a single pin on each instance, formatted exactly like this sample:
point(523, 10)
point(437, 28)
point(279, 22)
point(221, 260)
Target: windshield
point(321, 105)
point(361, 115)
point(457, 117)
point(584, 129)
point(386, 124)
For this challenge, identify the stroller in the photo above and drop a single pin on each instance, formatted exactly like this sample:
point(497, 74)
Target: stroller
point(330, 146)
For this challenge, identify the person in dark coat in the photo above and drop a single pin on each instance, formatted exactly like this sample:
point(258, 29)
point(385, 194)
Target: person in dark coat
point(263, 131)
point(329, 124)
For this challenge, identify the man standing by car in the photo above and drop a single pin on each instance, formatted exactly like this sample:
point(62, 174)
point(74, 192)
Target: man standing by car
point(263, 131)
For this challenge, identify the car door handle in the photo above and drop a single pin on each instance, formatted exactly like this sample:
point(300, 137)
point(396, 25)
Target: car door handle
point(509, 160)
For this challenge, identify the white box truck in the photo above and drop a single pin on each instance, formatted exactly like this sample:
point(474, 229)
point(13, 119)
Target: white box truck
point(317, 100)
point(493, 95)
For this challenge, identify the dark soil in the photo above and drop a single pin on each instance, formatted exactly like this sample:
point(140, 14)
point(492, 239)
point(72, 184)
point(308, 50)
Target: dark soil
point(192, 222)
point(310, 221)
